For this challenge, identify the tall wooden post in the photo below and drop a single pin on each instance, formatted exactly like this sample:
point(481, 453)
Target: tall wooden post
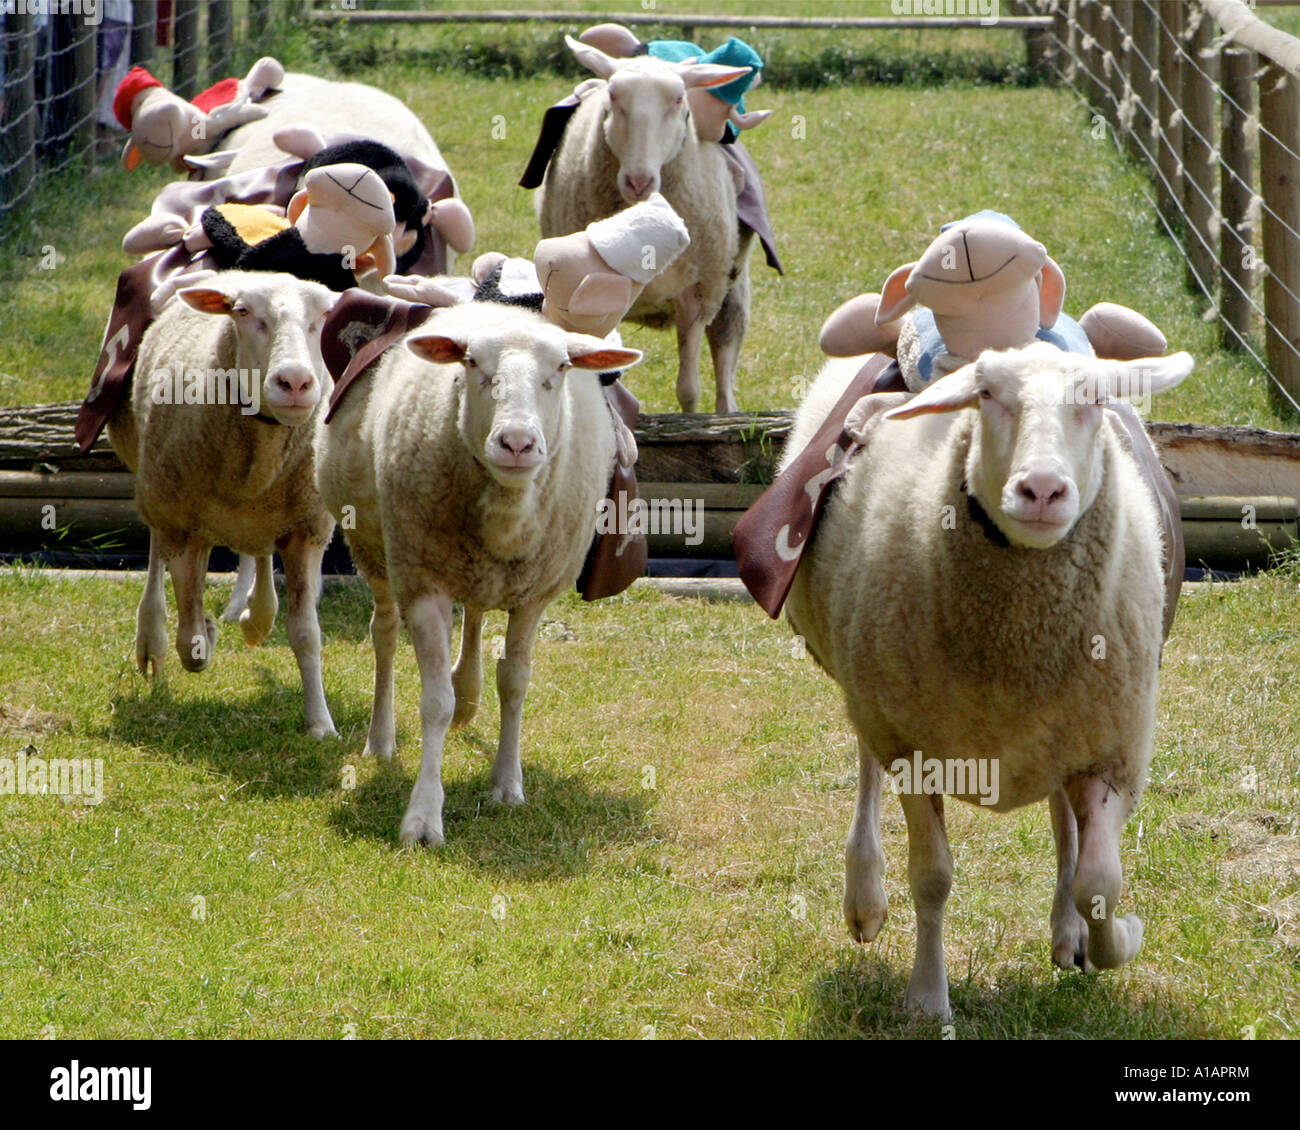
point(1199, 135)
point(144, 33)
point(1143, 58)
point(220, 27)
point(1279, 177)
point(1170, 26)
point(1236, 236)
point(18, 136)
point(259, 19)
point(185, 48)
point(85, 92)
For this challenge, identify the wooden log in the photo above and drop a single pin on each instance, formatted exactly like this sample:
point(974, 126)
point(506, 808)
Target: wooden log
point(18, 138)
point(220, 39)
point(1236, 233)
point(1279, 175)
point(1199, 175)
point(185, 48)
point(144, 34)
point(1169, 187)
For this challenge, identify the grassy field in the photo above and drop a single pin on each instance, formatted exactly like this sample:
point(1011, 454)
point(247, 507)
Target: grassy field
point(677, 870)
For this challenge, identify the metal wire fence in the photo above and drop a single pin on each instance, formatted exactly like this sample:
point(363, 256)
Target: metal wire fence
point(61, 61)
point(1205, 95)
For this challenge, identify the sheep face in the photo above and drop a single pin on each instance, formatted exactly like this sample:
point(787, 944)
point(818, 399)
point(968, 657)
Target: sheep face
point(1034, 461)
point(513, 377)
point(647, 116)
point(278, 321)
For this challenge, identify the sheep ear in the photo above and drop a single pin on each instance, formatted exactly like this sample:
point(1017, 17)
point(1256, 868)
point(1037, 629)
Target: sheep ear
point(947, 394)
point(438, 348)
point(601, 293)
point(1148, 375)
point(206, 300)
point(894, 299)
point(1051, 294)
point(593, 58)
point(697, 75)
point(588, 352)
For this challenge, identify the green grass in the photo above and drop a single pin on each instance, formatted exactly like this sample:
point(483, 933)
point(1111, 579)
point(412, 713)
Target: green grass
point(707, 905)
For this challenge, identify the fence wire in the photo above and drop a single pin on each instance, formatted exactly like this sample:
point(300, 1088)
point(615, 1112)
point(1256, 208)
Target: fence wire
point(1101, 60)
point(61, 62)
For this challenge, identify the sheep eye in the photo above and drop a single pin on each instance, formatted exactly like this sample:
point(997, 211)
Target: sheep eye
point(985, 394)
point(241, 310)
point(469, 362)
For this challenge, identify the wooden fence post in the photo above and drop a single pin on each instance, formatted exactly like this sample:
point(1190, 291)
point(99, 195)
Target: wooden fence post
point(1090, 21)
point(259, 19)
point(1236, 235)
point(1279, 176)
point(18, 137)
point(1199, 176)
point(185, 48)
point(85, 93)
point(1142, 59)
point(144, 35)
point(1169, 26)
point(220, 26)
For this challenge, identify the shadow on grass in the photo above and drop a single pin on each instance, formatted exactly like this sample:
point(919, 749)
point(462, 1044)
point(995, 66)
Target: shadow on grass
point(564, 824)
point(862, 998)
point(255, 737)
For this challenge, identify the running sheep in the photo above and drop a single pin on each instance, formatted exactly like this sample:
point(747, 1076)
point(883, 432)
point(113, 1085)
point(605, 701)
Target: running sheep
point(218, 432)
point(986, 584)
point(469, 461)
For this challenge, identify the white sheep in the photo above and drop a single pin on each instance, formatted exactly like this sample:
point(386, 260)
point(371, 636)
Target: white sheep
point(218, 433)
point(986, 584)
point(471, 463)
point(631, 136)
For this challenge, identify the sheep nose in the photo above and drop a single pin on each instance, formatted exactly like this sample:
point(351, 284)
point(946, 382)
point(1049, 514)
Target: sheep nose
point(639, 186)
point(1043, 487)
point(517, 441)
point(295, 382)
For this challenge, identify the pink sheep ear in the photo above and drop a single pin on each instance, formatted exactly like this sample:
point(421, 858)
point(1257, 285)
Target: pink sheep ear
point(206, 300)
point(703, 75)
point(587, 352)
point(297, 205)
point(438, 348)
point(1051, 294)
point(601, 293)
point(947, 394)
point(894, 299)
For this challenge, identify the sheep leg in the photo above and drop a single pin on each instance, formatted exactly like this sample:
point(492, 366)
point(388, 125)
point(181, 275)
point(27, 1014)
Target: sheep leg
point(258, 617)
point(243, 587)
point(151, 616)
point(1113, 939)
point(428, 619)
point(196, 634)
point(1069, 928)
point(384, 625)
point(929, 872)
point(467, 677)
point(726, 335)
point(302, 557)
point(865, 902)
point(513, 671)
point(689, 316)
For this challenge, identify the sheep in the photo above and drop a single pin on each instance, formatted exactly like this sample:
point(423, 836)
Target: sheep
point(986, 584)
point(223, 471)
point(631, 136)
point(471, 466)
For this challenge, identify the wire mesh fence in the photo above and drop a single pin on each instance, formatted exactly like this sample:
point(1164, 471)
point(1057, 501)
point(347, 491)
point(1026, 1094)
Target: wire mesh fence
point(1204, 94)
point(61, 61)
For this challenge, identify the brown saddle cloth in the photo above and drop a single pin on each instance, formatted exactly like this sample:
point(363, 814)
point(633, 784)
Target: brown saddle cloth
point(358, 330)
point(131, 315)
point(751, 201)
point(771, 536)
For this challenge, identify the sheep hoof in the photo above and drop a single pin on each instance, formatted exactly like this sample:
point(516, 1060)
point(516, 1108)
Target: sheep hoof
point(149, 657)
point(255, 630)
point(417, 828)
point(932, 1002)
point(864, 925)
point(464, 713)
point(382, 750)
point(511, 795)
point(322, 730)
point(1070, 944)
